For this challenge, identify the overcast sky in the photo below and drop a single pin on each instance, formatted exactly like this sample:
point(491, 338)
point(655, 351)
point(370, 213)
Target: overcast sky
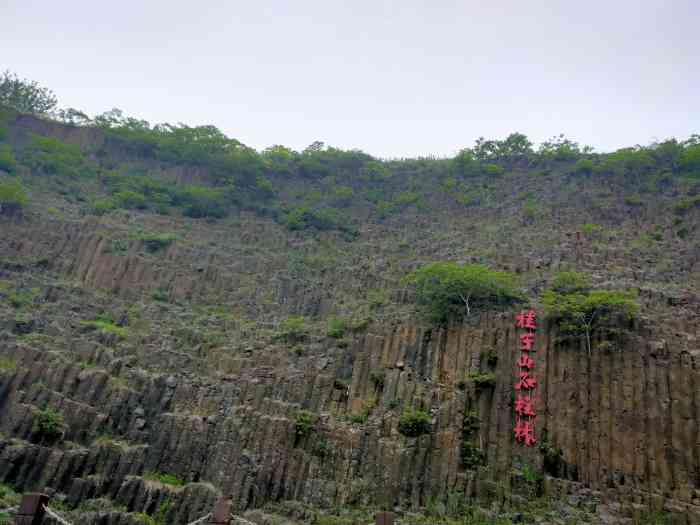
point(401, 78)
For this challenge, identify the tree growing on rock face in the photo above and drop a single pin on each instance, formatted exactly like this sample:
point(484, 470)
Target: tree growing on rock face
point(24, 95)
point(446, 289)
point(579, 310)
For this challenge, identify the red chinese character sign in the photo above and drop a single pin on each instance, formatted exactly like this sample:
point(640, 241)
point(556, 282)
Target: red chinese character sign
point(524, 404)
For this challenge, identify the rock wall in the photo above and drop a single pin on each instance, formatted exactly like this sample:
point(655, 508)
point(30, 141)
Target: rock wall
point(624, 420)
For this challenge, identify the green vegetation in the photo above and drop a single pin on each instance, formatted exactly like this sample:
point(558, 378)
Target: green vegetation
point(304, 424)
point(686, 204)
point(471, 455)
point(293, 329)
point(50, 156)
point(8, 163)
point(579, 310)
point(414, 423)
point(446, 289)
point(361, 417)
point(583, 167)
point(336, 327)
point(689, 161)
point(106, 326)
point(13, 198)
point(24, 95)
point(154, 242)
point(378, 377)
point(164, 478)
point(48, 425)
point(304, 218)
point(159, 518)
point(7, 364)
point(483, 379)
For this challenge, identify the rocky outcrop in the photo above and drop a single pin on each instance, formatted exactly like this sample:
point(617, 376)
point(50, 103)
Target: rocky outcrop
point(624, 420)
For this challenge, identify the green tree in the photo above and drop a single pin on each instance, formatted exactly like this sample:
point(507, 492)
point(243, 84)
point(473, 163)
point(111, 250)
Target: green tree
point(561, 148)
point(444, 289)
point(280, 160)
point(24, 95)
point(690, 160)
point(580, 310)
point(464, 164)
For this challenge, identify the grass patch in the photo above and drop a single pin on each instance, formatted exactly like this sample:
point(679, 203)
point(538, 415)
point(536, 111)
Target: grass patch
point(164, 478)
point(106, 326)
point(7, 364)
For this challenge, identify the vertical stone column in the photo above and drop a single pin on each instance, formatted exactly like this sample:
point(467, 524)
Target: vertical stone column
point(222, 513)
point(31, 509)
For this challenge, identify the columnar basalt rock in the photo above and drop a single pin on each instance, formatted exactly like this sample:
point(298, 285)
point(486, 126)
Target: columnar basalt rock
point(625, 419)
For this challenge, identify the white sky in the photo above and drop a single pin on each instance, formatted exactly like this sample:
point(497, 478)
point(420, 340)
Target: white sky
point(401, 78)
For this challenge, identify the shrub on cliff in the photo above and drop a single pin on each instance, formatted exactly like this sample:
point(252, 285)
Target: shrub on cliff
point(293, 329)
point(8, 163)
point(579, 310)
point(50, 156)
point(414, 423)
point(444, 289)
point(13, 198)
point(48, 425)
point(304, 423)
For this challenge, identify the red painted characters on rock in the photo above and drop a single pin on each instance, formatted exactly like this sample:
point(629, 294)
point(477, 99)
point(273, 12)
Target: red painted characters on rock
point(525, 415)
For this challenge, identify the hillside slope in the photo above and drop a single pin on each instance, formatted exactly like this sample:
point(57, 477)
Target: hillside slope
point(184, 312)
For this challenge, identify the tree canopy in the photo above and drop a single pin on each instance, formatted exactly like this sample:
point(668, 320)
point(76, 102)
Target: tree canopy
point(25, 96)
point(579, 310)
point(446, 289)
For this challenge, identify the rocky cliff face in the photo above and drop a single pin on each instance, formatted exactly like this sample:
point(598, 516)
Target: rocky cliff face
point(623, 421)
point(176, 389)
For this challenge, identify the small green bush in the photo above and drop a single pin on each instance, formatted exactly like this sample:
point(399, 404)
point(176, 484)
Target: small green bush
point(322, 219)
point(7, 364)
point(293, 329)
point(304, 423)
point(130, 200)
point(155, 242)
point(102, 206)
point(48, 424)
point(8, 163)
point(414, 423)
point(583, 167)
point(164, 478)
point(570, 282)
point(493, 170)
point(336, 327)
point(483, 379)
point(50, 156)
point(106, 326)
point(13, 198)
point(8, 497)
point(686, 204)
point(201, 202)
